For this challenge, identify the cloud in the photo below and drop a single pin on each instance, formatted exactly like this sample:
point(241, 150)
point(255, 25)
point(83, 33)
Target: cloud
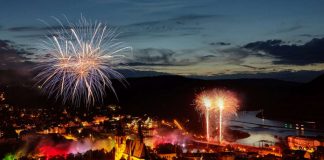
point(157, 57)
point(307, 35)
point(289, 29)
point(311, 35)
point(263, 44)
point(23, 29)
point(206, 58)
point(12, 57)
point(36, 36)
point(128, 73)
point(190, 57)
point(168, 57)
point(179, 21)
point(34, 28)
point(33, 32)
point(309, 53)
point(219, 43)
point(15, 67)
point(253, 67)
point(234, 55)
point(287, 75)
point(174, 26)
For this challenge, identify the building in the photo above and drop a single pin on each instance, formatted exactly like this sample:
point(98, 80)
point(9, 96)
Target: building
point(2, 96)
point(135, 150)
point(120, 142)
point(168, 156)
point(308, 144)
point(209, 156)
point(130, 149)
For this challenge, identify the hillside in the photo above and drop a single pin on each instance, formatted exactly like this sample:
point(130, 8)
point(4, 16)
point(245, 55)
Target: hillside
point(172, 96)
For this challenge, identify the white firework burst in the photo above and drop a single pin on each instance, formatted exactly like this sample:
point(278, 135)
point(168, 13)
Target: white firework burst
point(80, 62)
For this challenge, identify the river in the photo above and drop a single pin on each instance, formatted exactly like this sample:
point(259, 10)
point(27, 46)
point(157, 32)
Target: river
point(264, 129)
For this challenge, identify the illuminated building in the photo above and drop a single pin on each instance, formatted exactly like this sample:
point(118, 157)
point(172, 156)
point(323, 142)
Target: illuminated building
point(2, 96)
point(169, 156)
point(308, 144)
point(130, 149)
point(135, 150)
point(99, 119)
point(1, 134)
point(120, 142)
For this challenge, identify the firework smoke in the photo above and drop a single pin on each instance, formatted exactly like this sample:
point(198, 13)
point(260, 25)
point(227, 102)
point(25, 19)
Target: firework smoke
point(80, 62)
point(53, 145)
point(164, 136)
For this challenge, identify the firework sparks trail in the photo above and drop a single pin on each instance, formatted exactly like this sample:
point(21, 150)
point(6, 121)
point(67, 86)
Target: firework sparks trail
point(204, 103)
point(226, 104)
point(81, 61)
point(221, 107)
point(207, 105)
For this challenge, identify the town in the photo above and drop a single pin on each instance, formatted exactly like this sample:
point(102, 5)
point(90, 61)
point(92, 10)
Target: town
point(103, 133)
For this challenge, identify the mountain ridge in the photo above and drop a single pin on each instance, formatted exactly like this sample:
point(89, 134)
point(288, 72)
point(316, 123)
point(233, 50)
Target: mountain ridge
point(171, 96)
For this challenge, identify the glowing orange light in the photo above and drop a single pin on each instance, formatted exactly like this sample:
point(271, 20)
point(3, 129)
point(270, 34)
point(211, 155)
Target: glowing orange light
point(220, 103)
point(207, 102)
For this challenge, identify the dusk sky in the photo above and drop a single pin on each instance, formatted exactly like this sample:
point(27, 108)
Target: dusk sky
point(196, 38)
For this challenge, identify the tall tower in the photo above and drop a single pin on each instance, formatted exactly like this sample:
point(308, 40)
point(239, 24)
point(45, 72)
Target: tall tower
point(120, 142)
point(140, 132)
point(2, 96)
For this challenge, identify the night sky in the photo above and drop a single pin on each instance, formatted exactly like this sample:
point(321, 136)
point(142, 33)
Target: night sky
point(195, 38)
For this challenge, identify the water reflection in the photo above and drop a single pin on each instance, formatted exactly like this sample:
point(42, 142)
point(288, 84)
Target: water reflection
point(264, 129)
point(256, 138)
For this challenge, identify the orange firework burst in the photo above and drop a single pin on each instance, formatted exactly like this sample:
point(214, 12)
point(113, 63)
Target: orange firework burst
point(81, 61)
point(217, 99)
point(204, 104)
point(204, 101)
point(222, 102)
point(226, 101)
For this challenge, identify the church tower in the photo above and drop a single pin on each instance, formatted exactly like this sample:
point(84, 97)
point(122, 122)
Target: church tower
point(120, 142)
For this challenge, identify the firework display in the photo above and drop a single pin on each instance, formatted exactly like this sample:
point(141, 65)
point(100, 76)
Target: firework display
point(161, 79)
point(221, 102)
point(80, 62)
point(204, 104)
